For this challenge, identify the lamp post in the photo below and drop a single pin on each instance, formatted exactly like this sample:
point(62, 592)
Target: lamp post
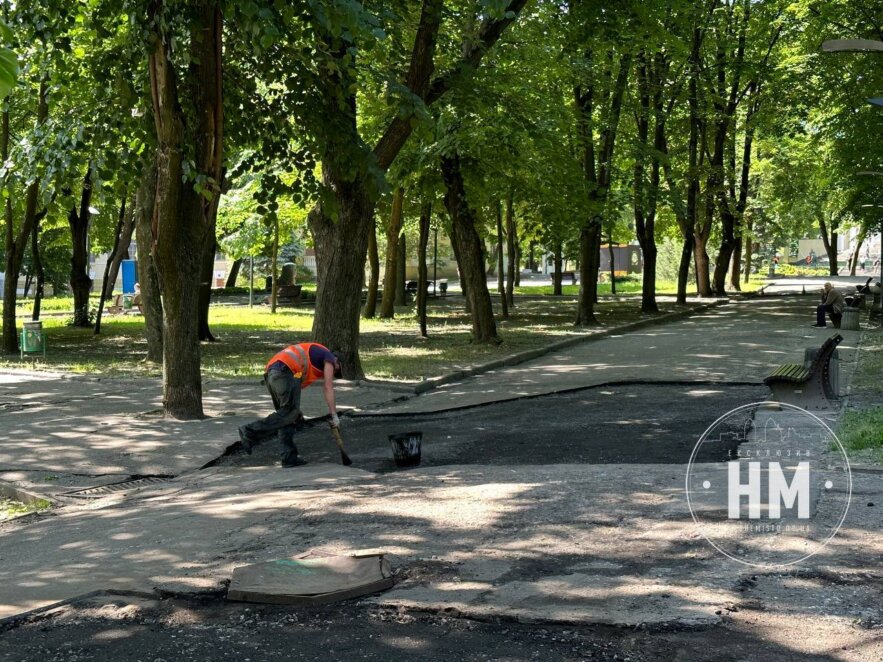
point(435, 263)
point(251, 281)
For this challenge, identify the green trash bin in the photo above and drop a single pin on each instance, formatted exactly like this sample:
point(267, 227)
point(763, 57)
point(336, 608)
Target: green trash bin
point(32, 339)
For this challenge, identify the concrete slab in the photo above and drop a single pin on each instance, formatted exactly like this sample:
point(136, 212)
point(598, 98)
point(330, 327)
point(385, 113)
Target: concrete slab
point(310, 581)
point(739, 342)
point(50, 424)
point(182, 534)
point(604, 544)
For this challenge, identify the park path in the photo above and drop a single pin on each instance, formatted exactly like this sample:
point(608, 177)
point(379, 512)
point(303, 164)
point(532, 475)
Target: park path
point(603, 543)
point(58, 433)
point(739, 342)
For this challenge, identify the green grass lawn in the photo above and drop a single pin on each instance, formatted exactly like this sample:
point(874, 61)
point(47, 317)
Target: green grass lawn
point(861, 427)
point(389, 349)
point(52, 305)
point(631, 285)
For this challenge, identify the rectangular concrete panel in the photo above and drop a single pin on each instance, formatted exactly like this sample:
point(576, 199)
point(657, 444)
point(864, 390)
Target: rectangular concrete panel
point(310, 581)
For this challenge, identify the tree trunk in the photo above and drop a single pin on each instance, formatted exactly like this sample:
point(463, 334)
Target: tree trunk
point(511, 251)
point(748, 248)
point(691, 220)
point(724, 256)
point(702, 263)
point(491, 267)
point(464, 286)
point(17, 243)
point(125, 239)
point(736, 266)
point(401, 266)
point(116, 251)
point(151, 296)
point(341, 247)
point(597, 164)
point(829, 239)
point(501, 278)
point(715, 189)
point(39, 272)
point(650, 74)
point(422, 272)
point(393, 230)
point(854, 258)
point(370, 309)
point(558, 276)
point(519, 256)
point(81, 283)
point(589, 263)
point(182, 215)
point(465, 235)
point(342, 242)
point(233, 276)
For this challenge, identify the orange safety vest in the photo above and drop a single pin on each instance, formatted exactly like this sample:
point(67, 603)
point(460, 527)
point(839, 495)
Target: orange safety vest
point(297, 358)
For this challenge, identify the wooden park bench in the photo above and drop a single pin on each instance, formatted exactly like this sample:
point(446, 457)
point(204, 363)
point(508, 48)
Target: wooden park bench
point(288, 295)
point(116, 306)
point(442, 285)
point(808, 387)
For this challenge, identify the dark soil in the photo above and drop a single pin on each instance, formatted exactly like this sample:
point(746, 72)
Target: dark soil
point(633, 424)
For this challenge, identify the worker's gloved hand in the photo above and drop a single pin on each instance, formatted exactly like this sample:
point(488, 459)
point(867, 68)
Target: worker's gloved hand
point(335, 421)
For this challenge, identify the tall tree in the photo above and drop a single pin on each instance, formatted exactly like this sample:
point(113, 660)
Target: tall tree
point(469, 249)
point(188, 114)
point(16, 242)
point(597, 157)
point(340, 224)
point(393, 232)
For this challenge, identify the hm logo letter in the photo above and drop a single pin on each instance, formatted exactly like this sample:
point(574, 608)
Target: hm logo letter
point(779, 492)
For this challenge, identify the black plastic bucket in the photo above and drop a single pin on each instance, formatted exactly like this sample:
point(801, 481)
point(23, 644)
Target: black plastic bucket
point(406, 448)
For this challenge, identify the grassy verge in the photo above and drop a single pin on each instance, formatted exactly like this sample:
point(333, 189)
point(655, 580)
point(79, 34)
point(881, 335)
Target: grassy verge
point(10, 508)
point(390, 349)
point(632, 285)
point(861, 427)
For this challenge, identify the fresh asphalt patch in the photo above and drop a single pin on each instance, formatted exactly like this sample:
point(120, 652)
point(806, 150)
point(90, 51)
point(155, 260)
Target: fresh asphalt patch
point(625, 424)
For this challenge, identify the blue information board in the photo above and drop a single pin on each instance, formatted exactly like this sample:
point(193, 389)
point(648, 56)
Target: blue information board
point(130, 276)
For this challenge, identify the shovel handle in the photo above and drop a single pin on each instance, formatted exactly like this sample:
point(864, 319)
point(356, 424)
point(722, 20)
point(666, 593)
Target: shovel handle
point(344, 458)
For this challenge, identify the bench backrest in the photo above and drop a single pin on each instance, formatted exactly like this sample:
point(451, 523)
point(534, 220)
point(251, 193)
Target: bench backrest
point(822, 362)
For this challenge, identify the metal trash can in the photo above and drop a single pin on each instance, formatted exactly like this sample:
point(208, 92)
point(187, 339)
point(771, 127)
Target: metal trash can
point(32, 339)
point(849, 321)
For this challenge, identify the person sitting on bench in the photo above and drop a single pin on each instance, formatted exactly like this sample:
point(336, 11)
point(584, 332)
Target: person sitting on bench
point(832, 304)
